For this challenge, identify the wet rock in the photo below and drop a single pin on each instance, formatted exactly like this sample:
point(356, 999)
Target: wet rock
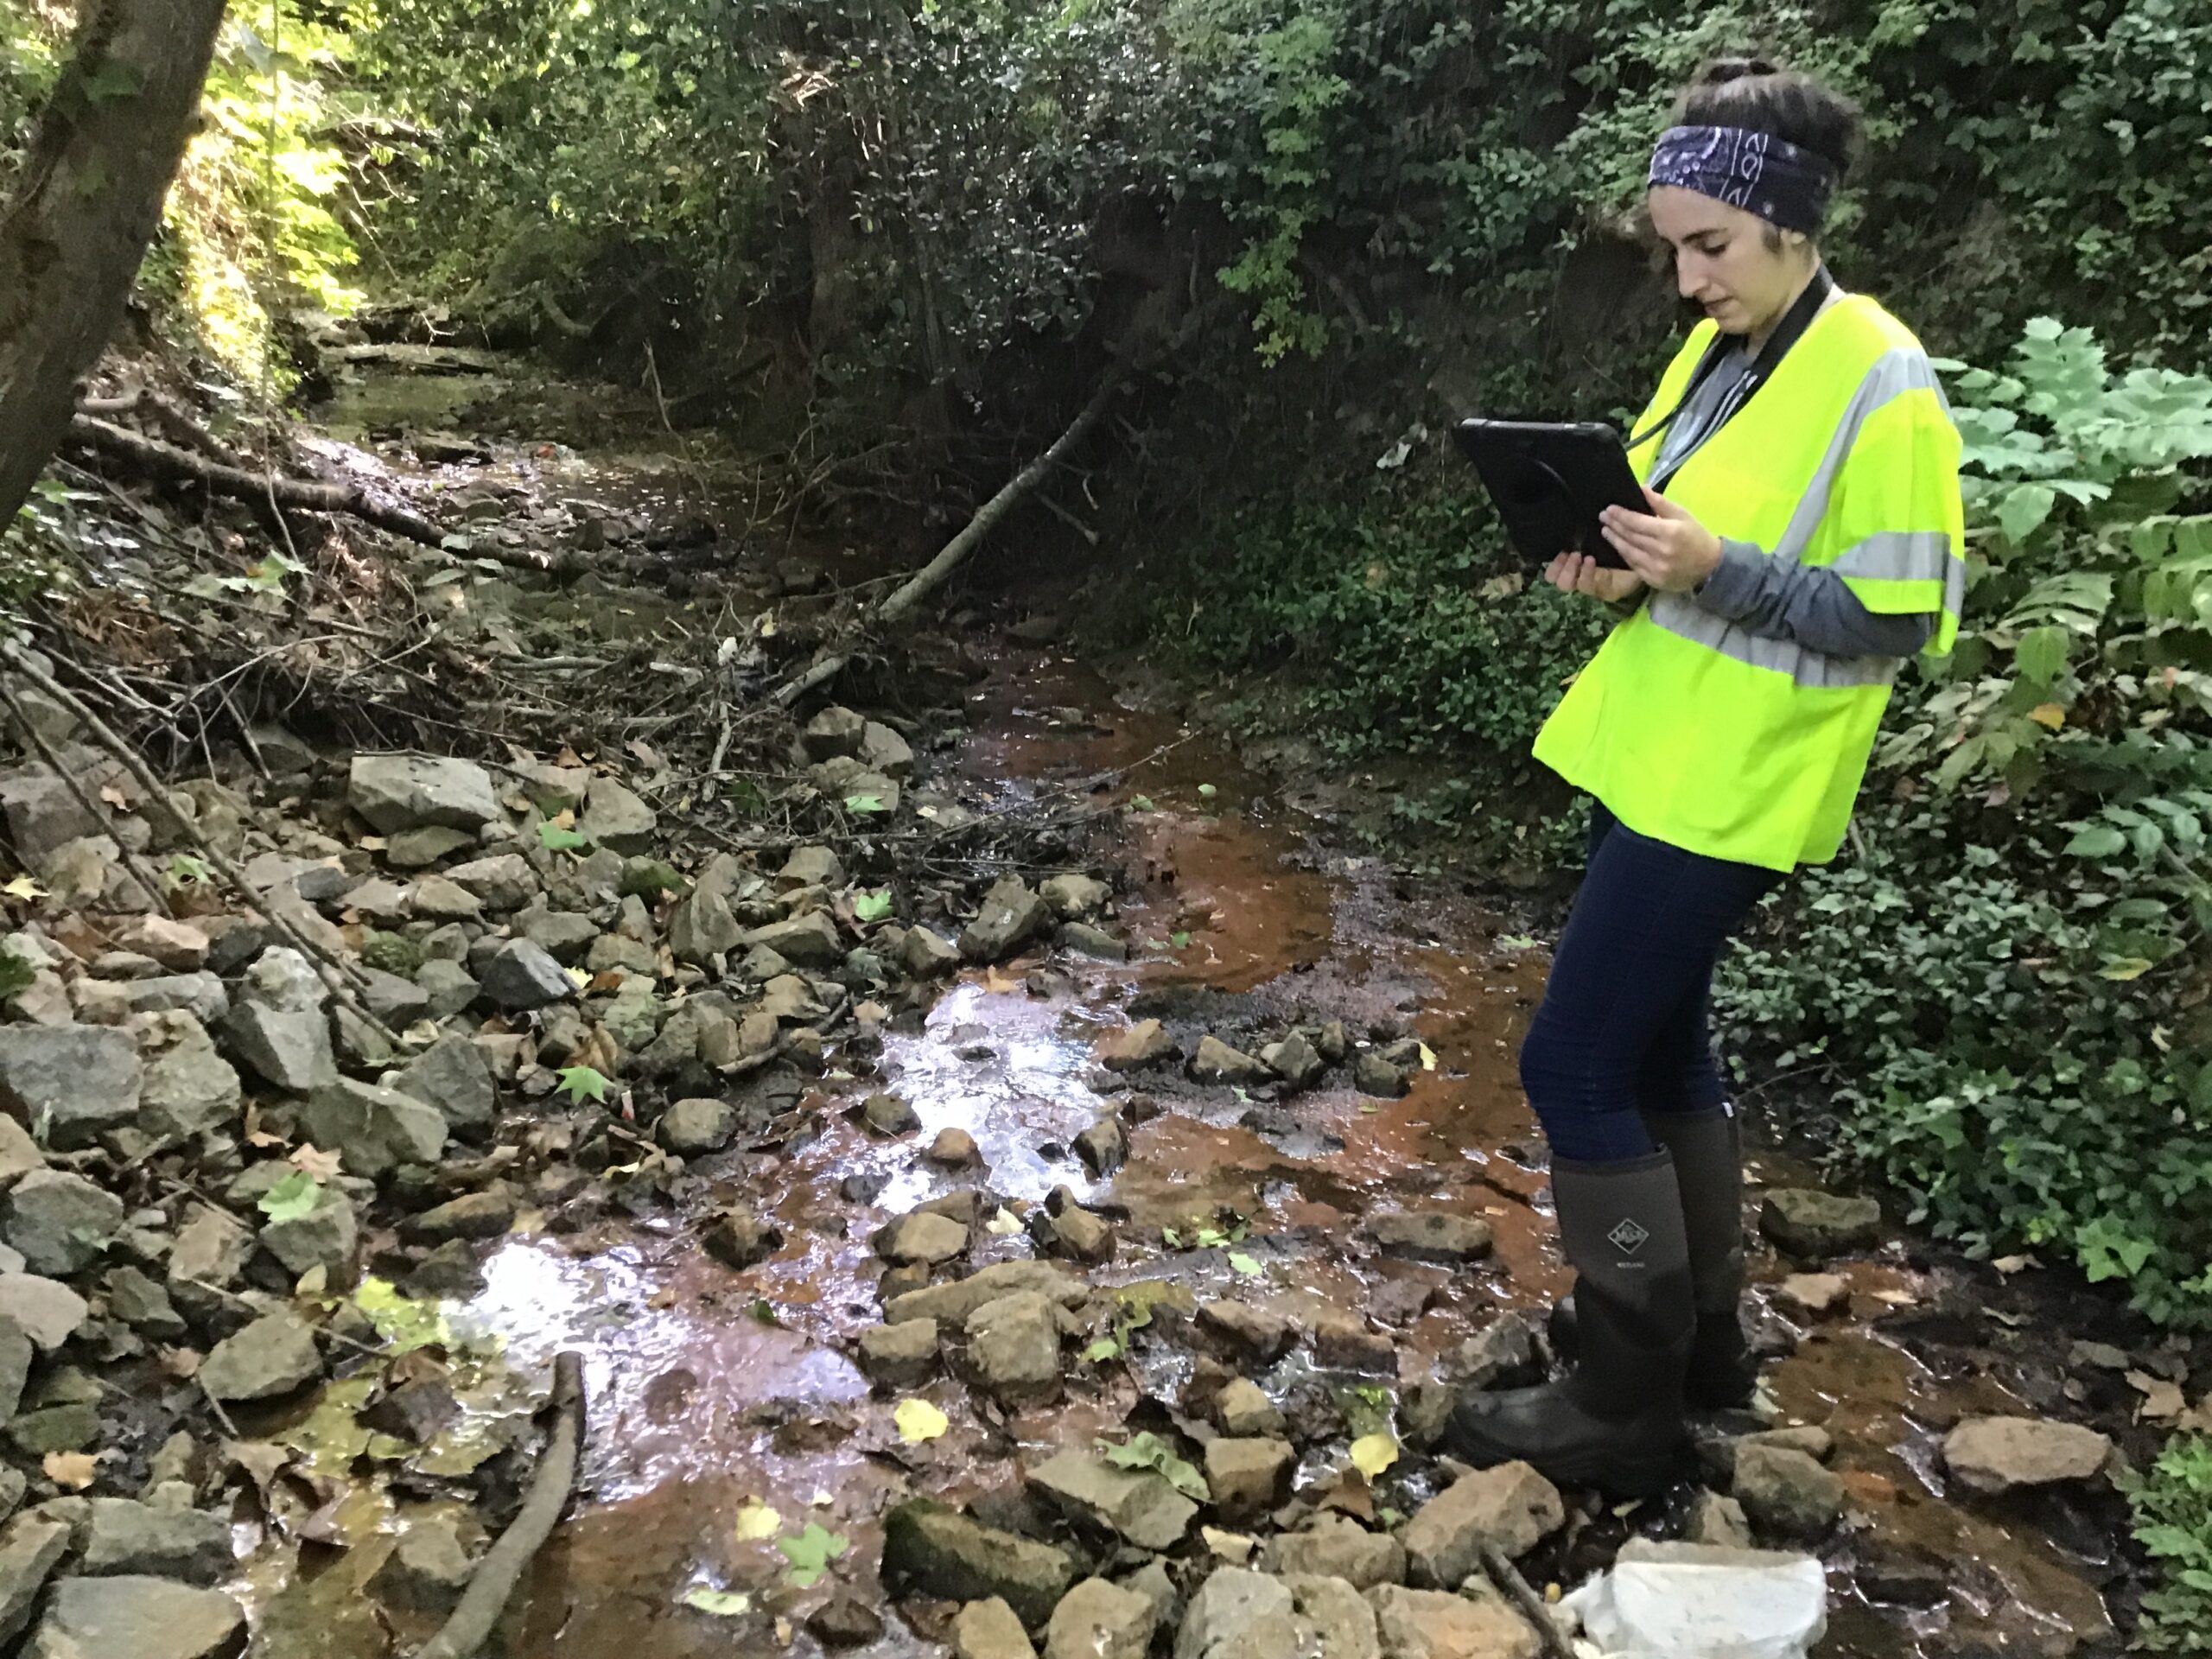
point(1295, 1060)
point(126, 1537)
point(953, 1149)
point(428, 1568)
point(1716, 1520)
point(921, 1237)
point(990, 1630)
point(1082, 1235)
point(1432, 1624)
point(1242, 1408)
point(31, 1547)
point(1501, 1355)
point(500, 883)
point(487, 1214)
point(408, 791)
point(739, 1239)
point(1100, 1620)
point(1074, 897)
point(1248, 1333)
point(272, 1357)
point(373, 1129)
point(58, 1222)
point(1217, 1062)
point(1998, 1454)
point(899, 1355)
point(453, 1075)
point(1135, 1505)
point(279, 1028)
point(835, 731)
point(1343, 1342)
point(1430, 1235)
point(1335, 1545)
point(145, 1618)
point(846, 1622)
point(930, 1550)
point(1088, 941)
point(1812, 1225)
point(1248, 1477)
point(926, 954)
point(1816, 1294)
point(691, 1128)
point(69, 1085)
point(614, 817)
point(522, 977)
point(1103, 1148)
point(1786, 1492)
point(1010, 916)
point(1146, 1043)
point(951, 1304)
point(327, 1237)
point(1013, 1347)
point(449, 1270)
point(1901, 1575)
point(1373, 1075)
point(1510, 1506)
point(415, 1411)
point(889, 1115)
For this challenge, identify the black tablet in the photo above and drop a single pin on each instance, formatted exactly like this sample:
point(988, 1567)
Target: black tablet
point(1550, 481)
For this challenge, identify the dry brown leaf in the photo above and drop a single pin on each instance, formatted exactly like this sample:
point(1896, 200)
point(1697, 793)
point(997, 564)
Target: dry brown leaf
point(2162, 1401)
point(181, 1361)
point(73, 1470)
point(255, 1134)
point(2198, 1420)
point(373, 843)
point(2009, 1265)
point(313, 1161)
point(115, 798)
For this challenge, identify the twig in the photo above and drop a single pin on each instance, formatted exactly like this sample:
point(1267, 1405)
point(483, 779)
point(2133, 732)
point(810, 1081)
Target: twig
point(504, 1564)
point(336, 974)
point(95, 808)
point(1506, 1577)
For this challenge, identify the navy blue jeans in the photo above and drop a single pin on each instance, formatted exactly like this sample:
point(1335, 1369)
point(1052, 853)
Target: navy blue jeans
point(1622, 1029)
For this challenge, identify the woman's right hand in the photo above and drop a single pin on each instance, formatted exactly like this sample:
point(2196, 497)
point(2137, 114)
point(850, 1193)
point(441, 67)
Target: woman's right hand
point(1578, 572)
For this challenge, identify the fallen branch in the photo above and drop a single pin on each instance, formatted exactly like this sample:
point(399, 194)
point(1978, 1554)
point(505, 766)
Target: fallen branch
point(504, 1564)
point(336, 974)
point(179, 423)
point(165, 460)
point(94, 808)
point(1506, 1577)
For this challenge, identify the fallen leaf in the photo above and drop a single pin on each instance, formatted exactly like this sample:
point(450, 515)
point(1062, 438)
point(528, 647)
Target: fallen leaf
point(255, 1134)
point(372, 843)
point(115, 798)
point(2009, 1265)
point(74, 1470)
point(996, 982)
point(2162, 1401)
point(579, 977)
point(810, 1552)
point(292, 1198)
point(1234, 1547)
point(1240, 1262)
point(1897, 1297)
point(1427, 1057)
point(1373, 1453)
point(722, 1604)
point(756, 1521)
point(23, 887)
point(181, 1362)
point(918, 1421)
point(317, 1164)
point(2048, 714)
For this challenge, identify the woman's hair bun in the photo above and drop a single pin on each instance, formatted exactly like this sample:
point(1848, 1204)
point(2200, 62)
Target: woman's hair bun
point(1754, 93)
point(1721, 70)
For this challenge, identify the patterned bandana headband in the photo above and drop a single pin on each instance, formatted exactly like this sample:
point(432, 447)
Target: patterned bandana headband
point(1783, 183)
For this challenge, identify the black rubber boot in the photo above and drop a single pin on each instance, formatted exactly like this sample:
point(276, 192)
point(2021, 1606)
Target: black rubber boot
point(1707, 1147)
point(1616, 1422)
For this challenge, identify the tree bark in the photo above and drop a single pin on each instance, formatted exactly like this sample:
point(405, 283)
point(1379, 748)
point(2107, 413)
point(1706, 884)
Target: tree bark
point(85, 206)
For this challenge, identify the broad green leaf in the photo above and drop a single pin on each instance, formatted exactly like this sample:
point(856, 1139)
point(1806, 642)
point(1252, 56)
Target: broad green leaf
point(2024, 509)
point(1243, 1263)
point(2041, 654)
point(292, 1198)
point(580, 1084)
point(810, 1552)
point(1149, 1450)
point(555, 839)
point(722, 1604)
point(189, 870)
point(2096, 841)
point(865, 804)
point(871, 907)
point(2126, 967)
point(1105, 1349)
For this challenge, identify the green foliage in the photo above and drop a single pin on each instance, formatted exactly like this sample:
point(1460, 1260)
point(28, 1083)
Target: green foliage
point(810, 1552)
point(2173, 1523)
point(580, 1084)
point(1149, 1450)
point(292, 1198)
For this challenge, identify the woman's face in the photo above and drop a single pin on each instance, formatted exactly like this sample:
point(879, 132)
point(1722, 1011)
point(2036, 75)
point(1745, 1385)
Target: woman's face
point(1722, 261)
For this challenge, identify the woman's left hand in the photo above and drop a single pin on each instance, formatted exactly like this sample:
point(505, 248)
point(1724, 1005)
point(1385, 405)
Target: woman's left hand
point(1668, 548)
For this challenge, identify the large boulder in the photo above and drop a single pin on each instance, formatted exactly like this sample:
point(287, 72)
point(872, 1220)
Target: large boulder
point(374, 1130)
point(278, 1026)
point(408, 791)
point(143, 1617)
point(932, 1551)
point(69, 1085)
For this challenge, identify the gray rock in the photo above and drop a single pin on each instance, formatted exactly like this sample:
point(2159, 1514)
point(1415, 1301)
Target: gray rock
point(1242, 1409)
point(1217, 1062)
point(1240, 1614)
point(887, 1113)
point(453, 1075)
point(328, 1237)
point(922, 1237)
point(1998, 1454)
point(954, 1148)
point(1716, 1520)
point(60, 1222)
point(31, 1547)
point(190, 1089)
point(126, 1537)
point(279, 1028)
point(439, 899)
point(140, 1303)
point(1250, 1333)
point(448, 988)
point(501, 883)
point(1335, 1545)
point(883, 751)
point(1010, 917)
point(1135, 1505)
point(926, 954)
point(614, 817)
point(1510, 1506)
point(811, 866)
point(1433, 1624)
point(408, 791)
point(1076, 1232)
point(1295, 1060)
point(635, 1016)
point(145, 1618)
point(1785, 1491)
point(474, 1215)
point(899, 1355)
point(833, 731)
point(989, 1630)
point(690, 1127)
point(19, 1154)
point(1099, 1619)
point(274, 1355)
point(428, 1568)
point(417, 849)
point(1248, 1477)
point(808, 941)
point(739, 1238)
point(522, 977)
point(1501, 1355)
point(43, 814)
point(70, 1085)
point(1430, 1235)
point(398, 1002)
point(15, 1352)
point(702, 928)
point(930, 1550)
point(1146, 1042)
point(211, 1248)
point(951, 1304)
point(201, 994)
point(1373, 1075)
point(1104, 1147)
point(1088, 941)
point(1814, 1225)
point(1074, 897)
point(1013, 1349)
point(373, 1129)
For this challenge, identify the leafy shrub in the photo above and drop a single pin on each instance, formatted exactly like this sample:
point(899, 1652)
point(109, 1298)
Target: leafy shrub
point(2173, 1522)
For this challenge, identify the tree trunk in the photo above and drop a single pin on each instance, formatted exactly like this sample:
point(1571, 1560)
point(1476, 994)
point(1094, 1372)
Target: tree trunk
point(86, 204)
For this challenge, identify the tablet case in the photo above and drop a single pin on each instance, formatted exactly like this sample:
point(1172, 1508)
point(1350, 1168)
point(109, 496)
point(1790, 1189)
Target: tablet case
point(1550, 481)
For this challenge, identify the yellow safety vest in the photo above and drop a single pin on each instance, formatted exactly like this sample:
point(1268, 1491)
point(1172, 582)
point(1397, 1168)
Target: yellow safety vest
point(1696, 732)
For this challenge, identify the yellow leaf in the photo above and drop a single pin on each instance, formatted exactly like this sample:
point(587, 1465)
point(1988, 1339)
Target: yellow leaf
point(1373, 1453)
point(1427, 1057)
point(579, 977)
point(918, 1421)
point(2048, 714)
point(23, 887)
point(74, 1470)
point(756, 1521)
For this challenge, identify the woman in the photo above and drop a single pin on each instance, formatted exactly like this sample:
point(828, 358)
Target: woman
point(1803, 536)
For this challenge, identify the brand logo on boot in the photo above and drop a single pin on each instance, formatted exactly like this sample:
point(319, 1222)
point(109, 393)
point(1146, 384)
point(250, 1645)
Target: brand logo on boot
point(1628, 1235)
